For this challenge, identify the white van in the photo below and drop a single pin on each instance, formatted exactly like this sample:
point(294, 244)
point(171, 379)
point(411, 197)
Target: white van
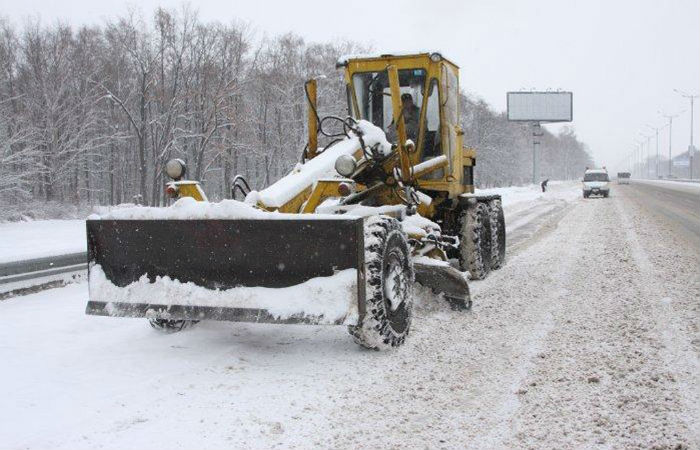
point(596, 182)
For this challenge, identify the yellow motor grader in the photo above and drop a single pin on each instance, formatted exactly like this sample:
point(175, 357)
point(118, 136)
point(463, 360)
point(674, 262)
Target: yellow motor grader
point(339, 240)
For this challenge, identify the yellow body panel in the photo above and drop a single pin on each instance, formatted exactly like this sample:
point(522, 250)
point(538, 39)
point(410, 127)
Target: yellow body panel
point(323, 190)
point(294, 205)
point(189, 189)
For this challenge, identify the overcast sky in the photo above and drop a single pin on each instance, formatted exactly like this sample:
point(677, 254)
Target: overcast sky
point(622, 59)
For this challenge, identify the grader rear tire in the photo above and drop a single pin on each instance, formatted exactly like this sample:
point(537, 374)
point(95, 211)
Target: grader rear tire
point(498, 234)
point(475, 241)
point(389, 286)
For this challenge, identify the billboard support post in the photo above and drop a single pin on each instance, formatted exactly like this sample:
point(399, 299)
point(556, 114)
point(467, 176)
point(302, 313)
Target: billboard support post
point(536, 133)
point(536, 108)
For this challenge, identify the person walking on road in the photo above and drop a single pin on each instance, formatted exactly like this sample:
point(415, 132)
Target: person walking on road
point(544, 185)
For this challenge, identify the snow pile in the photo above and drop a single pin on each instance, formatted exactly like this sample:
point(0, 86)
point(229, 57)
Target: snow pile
point(332, 297)
point(188, 208)
point(323, 165)
point(419, 225)
point(414, 224)
point(428, 261)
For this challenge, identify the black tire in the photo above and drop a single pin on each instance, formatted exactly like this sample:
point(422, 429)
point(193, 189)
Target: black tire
point(498, 234)
point(585, 195)
point(389, 276)
point(475, 241)
point(171, 326)
point(605, 194)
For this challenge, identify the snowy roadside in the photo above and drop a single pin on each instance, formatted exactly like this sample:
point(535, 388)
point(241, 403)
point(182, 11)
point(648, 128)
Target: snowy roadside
point(517, 198)
point(41, 238)
point(527, 208)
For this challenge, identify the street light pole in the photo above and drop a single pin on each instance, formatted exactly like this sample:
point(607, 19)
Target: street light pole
point(691, 148)
point(657, 153)
point(670, 118)
point(638, 154)
point(670, 137)
point(648, 151)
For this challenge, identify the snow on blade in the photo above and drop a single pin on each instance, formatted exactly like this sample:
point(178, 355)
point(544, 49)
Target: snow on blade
point(332, 297)
point(188, 208)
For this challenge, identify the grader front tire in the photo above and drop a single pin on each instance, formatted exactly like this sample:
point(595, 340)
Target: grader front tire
point(389, 286)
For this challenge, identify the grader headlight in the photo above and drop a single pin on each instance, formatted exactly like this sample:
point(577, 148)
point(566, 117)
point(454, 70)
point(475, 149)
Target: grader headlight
point(345, 165)
point(175, 169)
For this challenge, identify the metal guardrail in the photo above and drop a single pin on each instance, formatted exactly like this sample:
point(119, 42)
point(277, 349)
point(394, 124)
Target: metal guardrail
point(33, 275)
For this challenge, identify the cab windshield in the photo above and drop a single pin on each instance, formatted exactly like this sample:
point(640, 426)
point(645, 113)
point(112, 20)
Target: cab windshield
point(374, 99)
point(596, 176)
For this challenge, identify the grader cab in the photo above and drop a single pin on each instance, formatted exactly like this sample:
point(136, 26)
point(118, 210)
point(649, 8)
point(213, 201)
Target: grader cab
point(339, 240)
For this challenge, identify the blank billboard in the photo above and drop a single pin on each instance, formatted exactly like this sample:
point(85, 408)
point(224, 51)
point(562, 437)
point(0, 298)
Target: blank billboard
point(540, 106)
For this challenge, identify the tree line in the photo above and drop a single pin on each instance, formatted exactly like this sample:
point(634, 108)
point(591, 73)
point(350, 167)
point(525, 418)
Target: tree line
point(90, 114)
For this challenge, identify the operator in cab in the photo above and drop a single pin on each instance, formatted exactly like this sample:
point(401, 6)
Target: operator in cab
point(411, 117)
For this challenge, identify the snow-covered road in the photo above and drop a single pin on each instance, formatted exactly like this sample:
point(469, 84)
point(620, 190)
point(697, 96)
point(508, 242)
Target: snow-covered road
point(588, 337)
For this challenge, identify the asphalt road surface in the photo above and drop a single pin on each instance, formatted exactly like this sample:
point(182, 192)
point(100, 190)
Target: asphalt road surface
point(677, 203)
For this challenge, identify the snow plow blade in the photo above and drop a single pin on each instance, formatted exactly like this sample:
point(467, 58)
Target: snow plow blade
point(446, 280)
point(219, 255)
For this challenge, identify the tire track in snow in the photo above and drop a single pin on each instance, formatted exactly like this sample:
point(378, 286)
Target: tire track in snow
point(678, 353)
point(602, 380)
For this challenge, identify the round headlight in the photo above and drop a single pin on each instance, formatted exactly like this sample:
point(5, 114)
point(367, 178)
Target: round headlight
point(435, 57)
point(410, 146)
point(345, 165)
point(175, 168)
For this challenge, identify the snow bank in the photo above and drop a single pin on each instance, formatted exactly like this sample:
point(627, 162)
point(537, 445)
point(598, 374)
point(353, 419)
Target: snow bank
point(332, 297)
point(531, 194)
point(323, 165)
